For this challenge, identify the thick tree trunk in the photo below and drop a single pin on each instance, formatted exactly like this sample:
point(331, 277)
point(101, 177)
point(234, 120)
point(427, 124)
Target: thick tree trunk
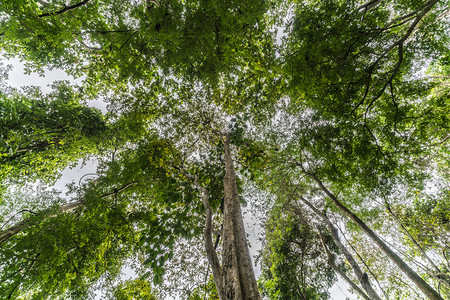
point(238, 278)
point(412, 275)
point(235, 279)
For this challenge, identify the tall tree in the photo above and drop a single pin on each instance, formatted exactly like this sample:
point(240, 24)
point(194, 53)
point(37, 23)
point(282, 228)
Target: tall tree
point(336, 109)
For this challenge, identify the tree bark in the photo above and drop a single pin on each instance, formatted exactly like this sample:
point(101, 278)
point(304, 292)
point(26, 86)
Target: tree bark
point(239, 282)
point(235, 279)
point(412, 275)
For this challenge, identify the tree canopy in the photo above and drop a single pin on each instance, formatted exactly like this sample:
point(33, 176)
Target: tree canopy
point(336, 112)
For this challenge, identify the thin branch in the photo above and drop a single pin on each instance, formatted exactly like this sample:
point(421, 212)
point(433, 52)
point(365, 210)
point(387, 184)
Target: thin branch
point(368, 6)
point(19, 212)
point(65, 9)
point(407, 16)
point(128, 39)
point(104, 32)
point(87, 174)
point(445, 139)
point(405, 231)
point(398, 44)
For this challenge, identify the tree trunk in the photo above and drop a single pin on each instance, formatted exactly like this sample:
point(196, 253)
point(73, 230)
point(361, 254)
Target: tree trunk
point(362, 276)
point(412, 275)
point(235, 279)
point(18, 227)
point(331, 262)
point(238, 280)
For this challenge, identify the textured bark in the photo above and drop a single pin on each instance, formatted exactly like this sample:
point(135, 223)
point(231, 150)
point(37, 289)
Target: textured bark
point(362, 276)
point(234, 279)
point(238, 278)
point(412, 275)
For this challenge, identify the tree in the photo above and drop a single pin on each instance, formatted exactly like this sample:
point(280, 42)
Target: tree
point(133, 289)
point(41, 134)
point(201, 96)
point(293, 265)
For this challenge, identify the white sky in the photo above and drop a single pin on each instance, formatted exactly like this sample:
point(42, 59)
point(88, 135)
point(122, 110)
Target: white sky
point(18, 78)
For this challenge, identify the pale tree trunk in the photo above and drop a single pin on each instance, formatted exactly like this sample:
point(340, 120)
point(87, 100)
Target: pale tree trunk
point(238, 277)
point(331, 262)
point(234, 278)
point(18, 227)
point(402, 265)
point(438, 274)
point(362, 276)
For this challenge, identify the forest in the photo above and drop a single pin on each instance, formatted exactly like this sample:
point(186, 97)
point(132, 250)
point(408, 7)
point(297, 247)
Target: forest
point(326, 121)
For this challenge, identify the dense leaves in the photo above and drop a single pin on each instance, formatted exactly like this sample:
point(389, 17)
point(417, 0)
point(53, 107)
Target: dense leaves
point(294, 267)
point(344, 117)
point(41, 134)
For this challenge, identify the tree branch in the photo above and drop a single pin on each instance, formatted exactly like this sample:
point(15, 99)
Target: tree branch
point(65, 9)
point(207, 233)
point(18, 227)
point(420, 13)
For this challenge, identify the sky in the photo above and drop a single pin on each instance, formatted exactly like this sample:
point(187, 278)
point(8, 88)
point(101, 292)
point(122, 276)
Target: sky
point(18, 78)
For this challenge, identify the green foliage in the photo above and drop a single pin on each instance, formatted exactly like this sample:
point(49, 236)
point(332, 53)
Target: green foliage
point(340, 96)
point(133, 290)
point(209, 292)
point(40, 135)
point(293, 265)
point(426, 218)
point(122, 41)
point(64, 256)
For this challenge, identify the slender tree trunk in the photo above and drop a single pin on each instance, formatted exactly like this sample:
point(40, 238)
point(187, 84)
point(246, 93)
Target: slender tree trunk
point(362, 276)
point(438, 274)
point(412, 275)
point(331, 262)
point(239, 280)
